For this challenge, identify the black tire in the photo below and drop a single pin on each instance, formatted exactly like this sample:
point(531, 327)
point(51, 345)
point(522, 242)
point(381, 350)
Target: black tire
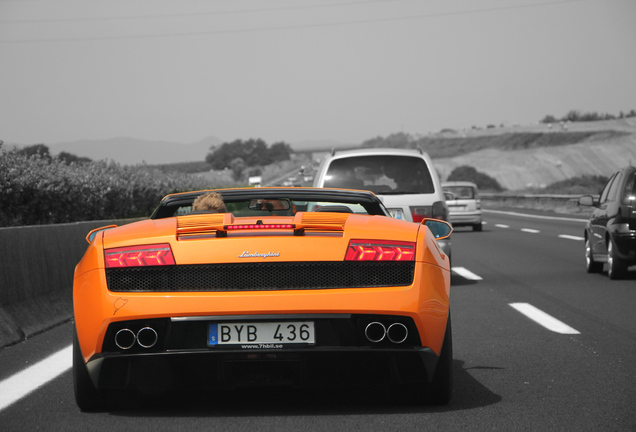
point(87, 397)
point(616, 267)
point(440, 388)
point(477, 227)
point(591, 266)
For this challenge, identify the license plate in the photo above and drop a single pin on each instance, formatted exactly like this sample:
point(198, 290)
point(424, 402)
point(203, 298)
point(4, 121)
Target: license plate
point(261, 334)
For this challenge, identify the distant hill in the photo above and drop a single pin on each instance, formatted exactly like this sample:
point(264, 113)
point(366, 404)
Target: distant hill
point(518, 157)
point(530, 156)
point(320, 146)
point(132, 151)
point(518, 162)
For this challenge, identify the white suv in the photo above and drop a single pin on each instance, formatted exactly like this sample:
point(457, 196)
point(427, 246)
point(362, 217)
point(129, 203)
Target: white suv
point(405, 180)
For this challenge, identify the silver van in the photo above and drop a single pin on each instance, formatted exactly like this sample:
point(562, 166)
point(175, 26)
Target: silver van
point(405, 180)
point(464, 204)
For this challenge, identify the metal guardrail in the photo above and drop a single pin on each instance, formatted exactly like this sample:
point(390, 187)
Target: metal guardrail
point(558, 203)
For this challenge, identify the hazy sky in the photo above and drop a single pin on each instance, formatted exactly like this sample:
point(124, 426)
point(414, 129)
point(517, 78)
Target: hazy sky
point(296, 70)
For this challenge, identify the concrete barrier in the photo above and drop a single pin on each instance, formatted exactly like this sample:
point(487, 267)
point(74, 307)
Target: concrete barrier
point(36, 275)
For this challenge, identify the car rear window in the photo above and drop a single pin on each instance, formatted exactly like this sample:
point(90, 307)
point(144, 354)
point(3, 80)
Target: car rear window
point(461, 192)
point(381, 174)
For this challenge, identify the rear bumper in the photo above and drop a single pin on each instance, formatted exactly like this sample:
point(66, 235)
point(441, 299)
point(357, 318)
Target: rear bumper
point(320, 368)
point(465, 218)
point(342, 354)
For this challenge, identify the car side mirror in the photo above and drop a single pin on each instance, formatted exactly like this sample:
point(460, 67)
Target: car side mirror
point(587, 200)
point(440, 229)
point(449, 196)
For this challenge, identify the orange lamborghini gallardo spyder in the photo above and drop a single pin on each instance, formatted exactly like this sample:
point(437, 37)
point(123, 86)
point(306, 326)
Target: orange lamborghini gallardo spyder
point(309, 286)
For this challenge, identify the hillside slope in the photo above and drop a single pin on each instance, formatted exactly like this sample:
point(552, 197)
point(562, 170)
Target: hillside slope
point(599, 153)
point(539, 167)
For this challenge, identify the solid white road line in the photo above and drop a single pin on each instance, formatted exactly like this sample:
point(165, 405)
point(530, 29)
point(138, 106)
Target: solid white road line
point(21, 384)
point(535, 216)
point(529, 230)
point(466, 274)
point(571, 237)
point(542, 318)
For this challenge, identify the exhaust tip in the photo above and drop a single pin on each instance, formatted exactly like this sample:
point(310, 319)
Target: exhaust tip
point(397, 333)
point(147, 337)
point(375, 332)
point(125, 339)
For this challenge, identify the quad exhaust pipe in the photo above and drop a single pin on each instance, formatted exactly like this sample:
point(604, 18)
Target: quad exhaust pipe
point(146, 338)
point(397, 333)
point(125, 339)
point(376, 332)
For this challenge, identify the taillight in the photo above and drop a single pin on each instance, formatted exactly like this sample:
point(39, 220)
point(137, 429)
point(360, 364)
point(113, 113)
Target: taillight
point(380, 250)
point(420, 212)
point(437, 211)
point(139, 256)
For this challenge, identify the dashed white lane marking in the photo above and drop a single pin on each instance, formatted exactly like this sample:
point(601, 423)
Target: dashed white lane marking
point(533, 231)
point(542, 318)
point(24, 382)
point(571, 237)
point(465, 273)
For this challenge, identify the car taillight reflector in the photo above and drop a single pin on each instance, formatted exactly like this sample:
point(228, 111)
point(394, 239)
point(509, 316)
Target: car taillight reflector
point(420, 212)
point(259, 226)
point(139, 256)
point(380, 250)
point(437, 211)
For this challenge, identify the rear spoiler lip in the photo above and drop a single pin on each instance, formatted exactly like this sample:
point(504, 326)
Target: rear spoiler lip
point(219, 223)
point(91, 235)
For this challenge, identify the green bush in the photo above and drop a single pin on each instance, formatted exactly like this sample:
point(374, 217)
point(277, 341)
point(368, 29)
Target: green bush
point(483, 181)
point(38, 190)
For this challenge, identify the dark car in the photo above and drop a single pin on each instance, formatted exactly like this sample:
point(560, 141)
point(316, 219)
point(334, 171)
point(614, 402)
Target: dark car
point(610, 234)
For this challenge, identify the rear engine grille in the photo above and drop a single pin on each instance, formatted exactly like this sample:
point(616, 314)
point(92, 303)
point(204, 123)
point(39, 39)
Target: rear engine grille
point(260, 276)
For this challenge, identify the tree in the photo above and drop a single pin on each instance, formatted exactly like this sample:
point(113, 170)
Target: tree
point(69, 158)
point(237, 165)
point(221, 156)
point(38, 150)
point(253, 152)
point(279, 152)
